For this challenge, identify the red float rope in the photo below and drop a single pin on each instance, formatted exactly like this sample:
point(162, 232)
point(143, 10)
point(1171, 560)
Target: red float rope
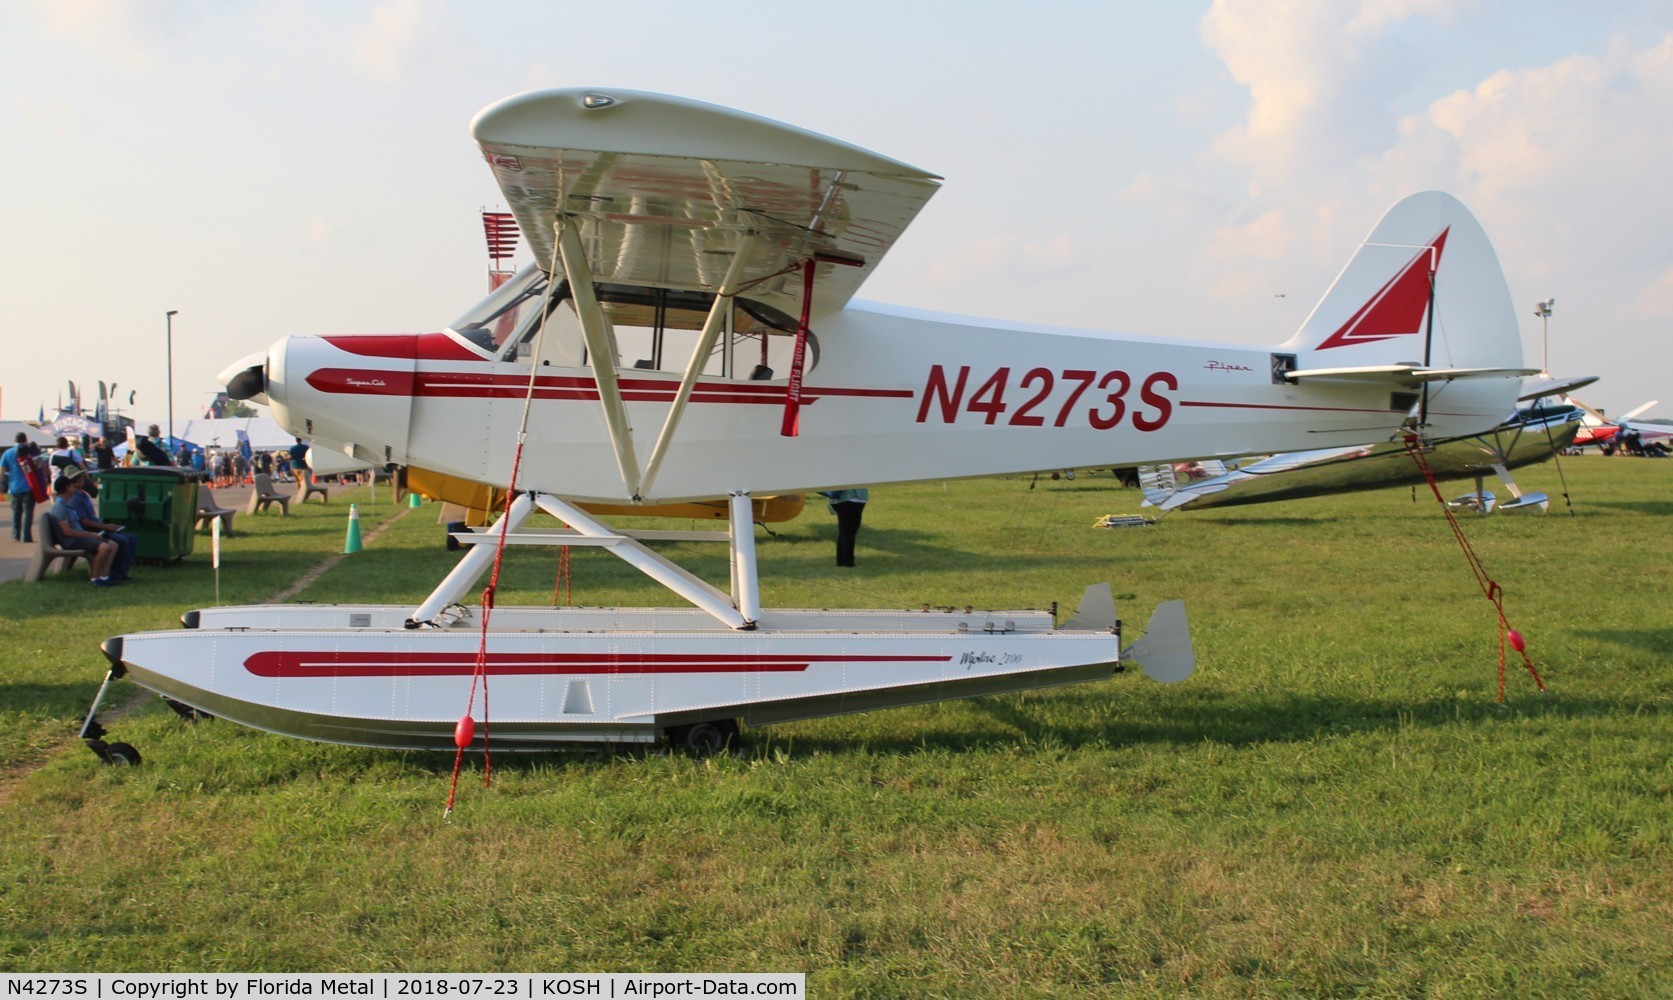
point(464, 732)
point(564, 583)
point(1489, 587)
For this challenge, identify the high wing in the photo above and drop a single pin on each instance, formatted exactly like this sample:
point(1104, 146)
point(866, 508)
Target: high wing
point(663, 190)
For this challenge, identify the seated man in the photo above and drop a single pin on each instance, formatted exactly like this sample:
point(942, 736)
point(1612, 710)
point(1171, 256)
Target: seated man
point(101, 552)
point(126, 545)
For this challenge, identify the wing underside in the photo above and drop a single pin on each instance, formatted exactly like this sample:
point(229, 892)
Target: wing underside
point(662, 191)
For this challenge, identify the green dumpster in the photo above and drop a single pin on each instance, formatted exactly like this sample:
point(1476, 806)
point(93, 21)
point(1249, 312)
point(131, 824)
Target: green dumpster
point(159, 505)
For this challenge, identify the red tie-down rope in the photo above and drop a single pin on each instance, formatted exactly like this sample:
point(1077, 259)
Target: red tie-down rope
point(564, 583)
point(1489, 587)
point(464, 732)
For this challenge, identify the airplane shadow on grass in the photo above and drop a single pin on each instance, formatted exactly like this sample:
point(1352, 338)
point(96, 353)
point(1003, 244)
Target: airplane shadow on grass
point(1653, 640)
point(1266, 522)
point(1236, 722)
point(68, 700)
point(1030, 720)
point(1652, 507)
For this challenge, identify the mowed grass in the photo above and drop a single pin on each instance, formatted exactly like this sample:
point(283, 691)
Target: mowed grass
point(1334, 805)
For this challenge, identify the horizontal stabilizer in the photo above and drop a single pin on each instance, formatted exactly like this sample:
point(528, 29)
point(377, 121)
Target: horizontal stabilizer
point(1165, 651)
point(1540, 388)
point(1405, 374)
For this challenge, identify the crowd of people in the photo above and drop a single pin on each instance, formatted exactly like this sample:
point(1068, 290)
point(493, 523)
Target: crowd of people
point(62, 480)
point(28, 470)
point(1630, 441)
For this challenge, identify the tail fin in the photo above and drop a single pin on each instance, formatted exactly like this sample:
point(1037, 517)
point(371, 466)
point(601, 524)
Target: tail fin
point(1378, 312)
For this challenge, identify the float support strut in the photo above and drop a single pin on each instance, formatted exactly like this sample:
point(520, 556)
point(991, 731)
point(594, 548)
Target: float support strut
point(746, 584)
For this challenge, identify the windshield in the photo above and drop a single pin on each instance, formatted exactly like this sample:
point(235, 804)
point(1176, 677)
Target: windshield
point(505, 312)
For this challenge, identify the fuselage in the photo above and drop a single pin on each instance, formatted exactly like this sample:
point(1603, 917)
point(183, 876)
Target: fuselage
point(896, 395)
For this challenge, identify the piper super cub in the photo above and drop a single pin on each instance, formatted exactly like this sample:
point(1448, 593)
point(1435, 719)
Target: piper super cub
point(687, 332)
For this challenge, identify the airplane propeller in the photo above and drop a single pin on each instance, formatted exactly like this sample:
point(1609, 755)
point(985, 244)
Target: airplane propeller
point(246, 378)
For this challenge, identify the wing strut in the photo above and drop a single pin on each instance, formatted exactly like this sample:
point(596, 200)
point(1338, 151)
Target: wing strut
point(601, 352)
point(712, 328)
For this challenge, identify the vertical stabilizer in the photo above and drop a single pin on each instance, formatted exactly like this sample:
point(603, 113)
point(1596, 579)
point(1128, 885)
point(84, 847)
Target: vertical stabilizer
point(1425, 288)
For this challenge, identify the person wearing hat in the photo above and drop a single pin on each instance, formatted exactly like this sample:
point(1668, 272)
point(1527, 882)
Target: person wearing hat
point(126, 545)
point(101, 551)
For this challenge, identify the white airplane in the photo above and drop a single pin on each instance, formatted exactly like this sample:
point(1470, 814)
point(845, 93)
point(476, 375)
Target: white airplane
point(697, 265)
point(1531, 434)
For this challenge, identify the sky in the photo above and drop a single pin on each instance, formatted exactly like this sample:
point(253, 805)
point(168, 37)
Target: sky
point(278, 167)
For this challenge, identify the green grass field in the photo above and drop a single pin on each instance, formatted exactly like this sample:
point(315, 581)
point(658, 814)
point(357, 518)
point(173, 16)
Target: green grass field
point(1334, 805)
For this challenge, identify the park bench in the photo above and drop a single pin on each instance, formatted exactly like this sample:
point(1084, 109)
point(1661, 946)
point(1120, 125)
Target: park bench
point(49, 551)
point(264, 496)
point(310, 486)
point(209, 510)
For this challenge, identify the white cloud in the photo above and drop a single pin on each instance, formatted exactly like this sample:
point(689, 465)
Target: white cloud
point(1584, 121)
point(319, 232)
point(128, 31)
point(1009, 257)
point(1565, 162)
point(389, 41)
point(1321, 78)
point(1376, 14)
point(1655, 301)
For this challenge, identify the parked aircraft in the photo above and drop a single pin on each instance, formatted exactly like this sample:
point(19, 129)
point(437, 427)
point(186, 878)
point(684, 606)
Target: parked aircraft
point(687, 332)
point(1600, 430)
point(1533, 433)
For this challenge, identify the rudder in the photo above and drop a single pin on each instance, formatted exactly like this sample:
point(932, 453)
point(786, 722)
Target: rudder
point(1377, 311)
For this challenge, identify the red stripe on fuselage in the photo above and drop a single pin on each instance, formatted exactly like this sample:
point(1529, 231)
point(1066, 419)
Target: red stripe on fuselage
point(406, 346)
point(489, 385)
point(336, 663)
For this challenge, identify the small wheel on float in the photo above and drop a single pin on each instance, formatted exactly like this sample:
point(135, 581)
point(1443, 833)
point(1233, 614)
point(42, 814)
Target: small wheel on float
point(706, 738)
point(121, 753)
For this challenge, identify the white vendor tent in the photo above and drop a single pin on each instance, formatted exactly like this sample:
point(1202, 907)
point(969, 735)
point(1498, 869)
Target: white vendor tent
point(9, 429)
point(265, 433)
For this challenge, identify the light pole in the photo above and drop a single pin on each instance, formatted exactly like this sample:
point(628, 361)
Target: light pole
point(169, 318)
point(1543, 311)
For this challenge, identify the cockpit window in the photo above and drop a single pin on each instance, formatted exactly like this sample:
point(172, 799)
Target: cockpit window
point(652, 329)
